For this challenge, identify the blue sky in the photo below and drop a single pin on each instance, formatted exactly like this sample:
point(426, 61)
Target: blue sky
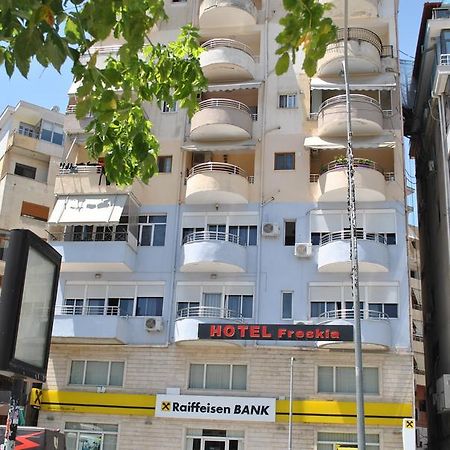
point(46, 87)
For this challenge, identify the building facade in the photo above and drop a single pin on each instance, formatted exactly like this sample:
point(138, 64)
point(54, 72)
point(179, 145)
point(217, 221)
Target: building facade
point(246, 224)
point(428, 130)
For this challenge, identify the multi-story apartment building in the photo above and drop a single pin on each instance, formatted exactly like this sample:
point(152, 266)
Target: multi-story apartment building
point(428, 129)
point(246, 223)
point(31, 149)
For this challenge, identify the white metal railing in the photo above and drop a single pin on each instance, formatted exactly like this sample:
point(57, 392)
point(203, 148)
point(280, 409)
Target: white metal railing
point(208, 311)
point(445, 59)
point(224, 103)
point(313, 177)
point(359, 34)
point(70, 168)
point(231, 43)
point(71, 109)
point(389, 176)
point(350, 314)
point(341, 99)
point(74, 310)
point(357, 162)
point(344, 235)
point(201, 236)
point(217, 167)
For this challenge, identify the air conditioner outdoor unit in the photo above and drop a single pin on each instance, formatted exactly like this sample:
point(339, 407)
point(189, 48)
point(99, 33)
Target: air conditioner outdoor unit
point(154, 324)
point(270, 229)
point(303, 249)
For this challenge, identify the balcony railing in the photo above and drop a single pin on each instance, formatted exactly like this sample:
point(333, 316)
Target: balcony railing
point(109, 234)
point(201, 236)
point(361, 34)
point(224, 103)
point(339, 99)
point(70, 168)
point(208, 312)
point(357, 162)
point(74, 310)
point(444, 59)
point(314, 177)
point(344, 235)
point(217, 167)
point(231, 43)
point(350, 314)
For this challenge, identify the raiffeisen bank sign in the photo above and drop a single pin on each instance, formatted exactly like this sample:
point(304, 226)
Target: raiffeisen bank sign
point(252, 409)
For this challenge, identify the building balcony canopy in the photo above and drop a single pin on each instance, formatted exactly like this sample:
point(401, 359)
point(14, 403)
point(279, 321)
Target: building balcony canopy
point(217, 13)
point(209, 251)
point(361, 8)
point(213, 182)
point(227, 60)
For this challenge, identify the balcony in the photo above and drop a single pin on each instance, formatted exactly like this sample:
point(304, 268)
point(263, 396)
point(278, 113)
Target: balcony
point(361, 8)
point(334, 252)
point(227, 60)
point(35, 143)
point(221, 119)
point(364, 53)
point(72, 125)
point(186, 324)
point(376, 332)
point(106, 251)
point(213, 182)
point(370, 181)
point(101, 324)
point(366, 113)
point(219, 13)
point(213, 251)
point(89, 179)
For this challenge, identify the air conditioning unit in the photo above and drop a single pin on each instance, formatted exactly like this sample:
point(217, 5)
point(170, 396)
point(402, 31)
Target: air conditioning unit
point(154, 324)
point(270, 229)
point(303, 249)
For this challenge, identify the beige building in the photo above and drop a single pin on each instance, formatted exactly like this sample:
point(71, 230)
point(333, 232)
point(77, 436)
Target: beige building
point(245, 229)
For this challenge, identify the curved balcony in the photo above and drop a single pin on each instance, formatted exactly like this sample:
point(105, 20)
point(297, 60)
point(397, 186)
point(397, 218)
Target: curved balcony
point(219, 13)
point(376, 332)
point(227, 60)
point(364, 53)
point(214, 182)
point(221, 119)
point(369, 181)
point(367, 116)
point(213, 251)
point(361, 8)
point(334, 252)
point(186, 324)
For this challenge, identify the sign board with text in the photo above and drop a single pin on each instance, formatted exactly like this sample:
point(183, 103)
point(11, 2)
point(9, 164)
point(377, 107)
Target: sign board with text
point(409, 434)
point(253, 409)
point(274, 332)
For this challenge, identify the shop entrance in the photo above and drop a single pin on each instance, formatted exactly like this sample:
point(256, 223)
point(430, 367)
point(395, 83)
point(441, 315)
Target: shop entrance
point(208, 439)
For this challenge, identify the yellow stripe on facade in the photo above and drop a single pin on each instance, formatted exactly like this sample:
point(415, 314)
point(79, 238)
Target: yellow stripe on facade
point(304, 411)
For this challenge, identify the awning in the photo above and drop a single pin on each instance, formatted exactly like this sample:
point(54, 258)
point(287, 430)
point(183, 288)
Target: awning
point(94, 209)
point(234, 86)
point(378, 82)
point(383, 141)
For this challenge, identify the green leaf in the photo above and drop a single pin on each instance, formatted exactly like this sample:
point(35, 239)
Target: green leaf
point(9, 64)
point(282, 64)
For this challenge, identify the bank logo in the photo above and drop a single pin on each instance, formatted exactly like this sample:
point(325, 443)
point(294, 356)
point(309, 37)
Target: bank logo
point(166, 406)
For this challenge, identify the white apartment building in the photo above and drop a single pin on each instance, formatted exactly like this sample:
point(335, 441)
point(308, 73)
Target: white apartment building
point(245, 224)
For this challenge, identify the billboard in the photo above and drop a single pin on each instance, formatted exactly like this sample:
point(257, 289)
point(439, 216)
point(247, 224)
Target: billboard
point(37, 439)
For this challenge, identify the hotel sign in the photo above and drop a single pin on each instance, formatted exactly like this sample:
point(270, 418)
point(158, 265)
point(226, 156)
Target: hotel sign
point(274, 332)
point(250, 409)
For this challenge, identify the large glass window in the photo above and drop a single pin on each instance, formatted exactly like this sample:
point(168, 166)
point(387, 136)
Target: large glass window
point(218, 376)
point(209, 439)
point(97, 373)
point(120, 306)
point(342, 380)
point(52, 132)
point(152, 230)
point(334, 441)
point(149, 306)
point(247, 233)
point(91, 436)
point(240, 305)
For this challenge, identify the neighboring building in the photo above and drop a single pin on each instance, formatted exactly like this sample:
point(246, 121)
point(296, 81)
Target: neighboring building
point(245, 224)
point(31, 149)
point(428, 130)
point(417, 325)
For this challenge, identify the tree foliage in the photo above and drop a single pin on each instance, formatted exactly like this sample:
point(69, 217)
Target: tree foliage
point(113, 92)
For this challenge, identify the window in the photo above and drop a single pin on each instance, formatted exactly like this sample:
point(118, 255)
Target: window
point(152, 230)
point(247, 233)
point(102, 233)
point(208, 439)
point(218, 376)
point(318, 308)
point(27, 130)
point(73, 306)
point(189, 231)
point(95, 306)
point(164, 164)
point(149, 306)
point(92, 436)
point(35, 211)
point(25, 171)
point(120, 307)
point(289, 232)
point(52, 132)
point(284, 161)
point(341, 380)
point(167, 108)
point(240, 305)
point(414, 274)
point(390, 309)
point(97, 373)
point(287, 101)
point(188, 309)
point(334, 441)
point(286, 307)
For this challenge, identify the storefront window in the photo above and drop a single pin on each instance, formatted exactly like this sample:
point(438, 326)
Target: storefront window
point(209, 439)
point(91, 436)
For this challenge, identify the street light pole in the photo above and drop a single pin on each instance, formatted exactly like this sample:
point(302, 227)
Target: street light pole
point(291, 386)
point(354, 250)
